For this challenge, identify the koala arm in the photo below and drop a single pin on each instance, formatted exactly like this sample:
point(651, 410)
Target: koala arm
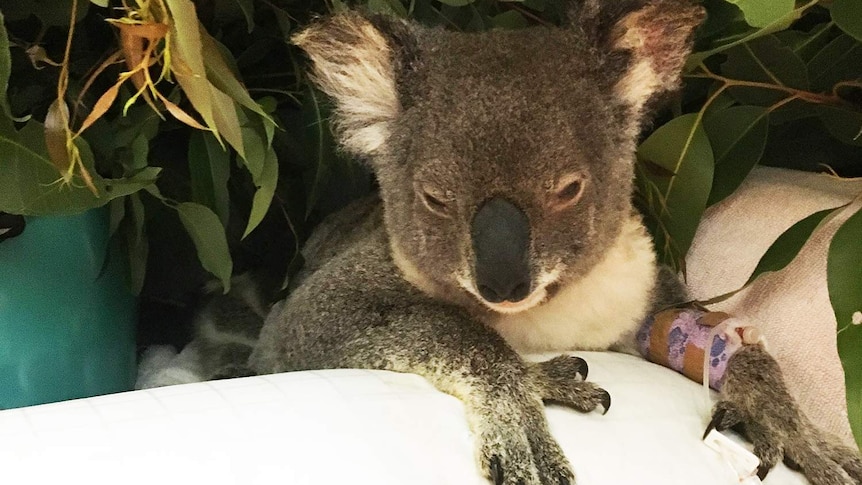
point(753, 396)
point(754, 399)
point(357, 312)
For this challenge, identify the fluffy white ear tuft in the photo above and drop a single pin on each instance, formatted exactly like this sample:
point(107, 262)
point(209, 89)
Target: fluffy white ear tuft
point(353, 63)
point(659, 36)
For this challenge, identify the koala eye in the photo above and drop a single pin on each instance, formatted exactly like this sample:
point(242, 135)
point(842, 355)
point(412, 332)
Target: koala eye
point(568, 192)
point(433, 202)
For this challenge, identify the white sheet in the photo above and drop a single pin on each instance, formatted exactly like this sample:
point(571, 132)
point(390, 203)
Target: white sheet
point(351, 427)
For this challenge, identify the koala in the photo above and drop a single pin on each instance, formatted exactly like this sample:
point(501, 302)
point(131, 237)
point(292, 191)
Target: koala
point(504, 225)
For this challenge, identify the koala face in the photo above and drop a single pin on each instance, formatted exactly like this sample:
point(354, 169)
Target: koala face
point(505, 159)
point(500, 180)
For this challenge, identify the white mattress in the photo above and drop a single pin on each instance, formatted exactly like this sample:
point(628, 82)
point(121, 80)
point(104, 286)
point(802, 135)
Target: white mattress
point(352, 426)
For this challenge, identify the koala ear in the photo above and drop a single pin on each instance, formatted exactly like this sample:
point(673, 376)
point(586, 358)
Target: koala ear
point(657, 34)
point(354, 62)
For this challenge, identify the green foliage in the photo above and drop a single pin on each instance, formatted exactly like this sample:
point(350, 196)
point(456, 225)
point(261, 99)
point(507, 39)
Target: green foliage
point(737, 135)
point(677, 200)
point(844, 269)
point(208, 235)
point(785, 248)
point(847, 15)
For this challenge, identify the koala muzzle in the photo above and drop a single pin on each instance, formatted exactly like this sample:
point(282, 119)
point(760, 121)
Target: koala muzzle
point(501, 245)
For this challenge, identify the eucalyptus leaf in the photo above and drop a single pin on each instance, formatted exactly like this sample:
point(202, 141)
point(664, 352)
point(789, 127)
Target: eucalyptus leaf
point(264, 193)
point(759, 13)
point(682, 147)
point(254, 145)
point(457, 3)
point(30, 184)
point(843, 124)
point(209, 170)
point(101, 3)
point(187, 48)
point(227, 120)
point(851, 361)
point(847, 14)
point(765, 60)
point(738, 137)
point(844, 272)
point(247, 7)
point(537, 5)
point(208, 236)
point(392, 7)
point(722, 17)
point(137, 244)
point(840, 59)
point(224, 78)
point(510, 19)
point(807, 44)
point(738, 39)
point(284, 23)
point(140, 148)
point(785, 248)
point(117, 212)
point(5, 72)
point(721, 102)
point(315, 113)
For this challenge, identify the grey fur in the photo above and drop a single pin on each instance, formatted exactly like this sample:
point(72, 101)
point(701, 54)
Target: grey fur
point(449, 120)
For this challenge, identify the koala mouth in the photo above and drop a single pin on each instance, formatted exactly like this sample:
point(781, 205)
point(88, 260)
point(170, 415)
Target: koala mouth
point(546, 288)
point(532, 300)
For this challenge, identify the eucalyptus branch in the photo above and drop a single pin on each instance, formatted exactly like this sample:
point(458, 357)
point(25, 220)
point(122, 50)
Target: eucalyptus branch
point(846, 84)
point(809, 96)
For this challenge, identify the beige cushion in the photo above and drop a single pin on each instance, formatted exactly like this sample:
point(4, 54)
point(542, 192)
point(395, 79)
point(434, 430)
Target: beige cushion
point(791, 306)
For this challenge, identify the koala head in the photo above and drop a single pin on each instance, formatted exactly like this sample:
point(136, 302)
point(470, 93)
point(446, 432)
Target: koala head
point(505, 159)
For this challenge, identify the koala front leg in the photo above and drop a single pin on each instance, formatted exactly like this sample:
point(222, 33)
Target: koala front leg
point(754, 397)
point(503, 396)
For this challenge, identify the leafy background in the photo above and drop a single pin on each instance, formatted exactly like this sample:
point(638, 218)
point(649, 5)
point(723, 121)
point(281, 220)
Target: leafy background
point(193, 123)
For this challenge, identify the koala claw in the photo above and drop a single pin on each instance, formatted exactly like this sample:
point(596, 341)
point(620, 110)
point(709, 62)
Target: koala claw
point(522, 452)
point(715, 422)
point(582, 368)
point(605, 400)
point(496, 470)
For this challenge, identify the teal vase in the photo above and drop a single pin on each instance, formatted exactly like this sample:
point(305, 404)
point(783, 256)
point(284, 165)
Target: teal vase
point(67, 317)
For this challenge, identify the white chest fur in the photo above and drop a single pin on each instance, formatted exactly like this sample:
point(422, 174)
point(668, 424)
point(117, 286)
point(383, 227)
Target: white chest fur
point(596, 311)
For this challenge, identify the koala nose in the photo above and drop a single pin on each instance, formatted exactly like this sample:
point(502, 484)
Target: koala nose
point(501, 245)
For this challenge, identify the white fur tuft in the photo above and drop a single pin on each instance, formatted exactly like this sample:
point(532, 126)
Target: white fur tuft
point(353, 64)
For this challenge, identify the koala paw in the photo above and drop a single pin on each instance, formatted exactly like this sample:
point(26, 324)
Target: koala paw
point(524, 455)
point(515, 444)
point(754, 399)
point(561, 381)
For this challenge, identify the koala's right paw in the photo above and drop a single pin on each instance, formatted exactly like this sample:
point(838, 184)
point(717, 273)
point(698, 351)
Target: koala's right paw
point(528, 455)
point(515, 445)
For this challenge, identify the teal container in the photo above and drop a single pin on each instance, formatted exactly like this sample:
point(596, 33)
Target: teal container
point(67, 318)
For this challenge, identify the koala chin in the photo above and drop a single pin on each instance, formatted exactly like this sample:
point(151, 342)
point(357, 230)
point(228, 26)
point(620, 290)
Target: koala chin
point(504, 224)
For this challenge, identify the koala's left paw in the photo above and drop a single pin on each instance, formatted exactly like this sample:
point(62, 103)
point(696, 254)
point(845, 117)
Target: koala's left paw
point(755, 399)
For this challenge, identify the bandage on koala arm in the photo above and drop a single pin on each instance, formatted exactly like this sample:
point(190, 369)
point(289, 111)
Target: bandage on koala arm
point(677, 339)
